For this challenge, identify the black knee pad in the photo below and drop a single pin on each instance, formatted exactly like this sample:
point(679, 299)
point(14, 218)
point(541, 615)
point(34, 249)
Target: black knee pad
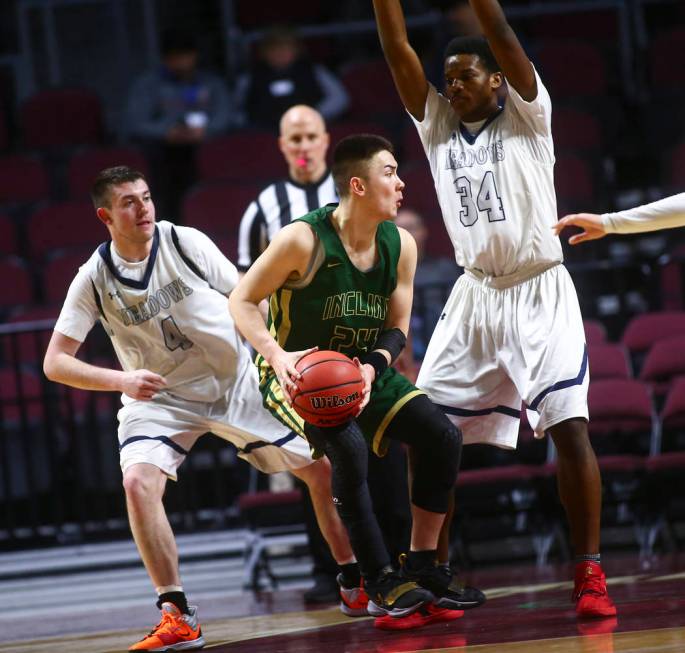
point(435, 469)
point(436, 447)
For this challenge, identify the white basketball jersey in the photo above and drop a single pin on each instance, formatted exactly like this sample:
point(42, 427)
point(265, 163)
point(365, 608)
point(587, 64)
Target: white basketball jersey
point(168, 313)
point(495, 187)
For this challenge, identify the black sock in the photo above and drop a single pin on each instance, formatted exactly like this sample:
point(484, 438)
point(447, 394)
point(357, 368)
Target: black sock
point(177, 598)
point(421, 559)
point(351, 576)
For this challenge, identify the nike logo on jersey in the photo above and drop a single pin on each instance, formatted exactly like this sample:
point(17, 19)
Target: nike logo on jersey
point(333, 265)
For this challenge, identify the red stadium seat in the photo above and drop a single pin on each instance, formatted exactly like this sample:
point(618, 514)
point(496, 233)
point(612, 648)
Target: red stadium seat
point(23, 179)
point(372, 91)
point(608, 361)
point(21, 395)
point(28, 348)
point(573, 180)
point(622, 418)
point(61, 117)
point(17, 284)
point(217, 207)
point(673, 413)
point(9, 244)
point(419, 192)
point(674, 168)
point(64, 225)
point(595, 332)
point(575, 130)
point(667, 46)
point(59, 272)
point(664, 361)
point(412, 149)
point(246, 155)
point(643, 330)
point(85, 164)
point(586, 77)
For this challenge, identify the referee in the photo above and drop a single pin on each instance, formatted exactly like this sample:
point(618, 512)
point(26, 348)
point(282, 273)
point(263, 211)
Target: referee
point(303, 141)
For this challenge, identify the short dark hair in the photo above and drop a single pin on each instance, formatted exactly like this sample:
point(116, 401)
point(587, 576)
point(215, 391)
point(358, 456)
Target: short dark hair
point(108, 178)
point(476, 45)
point(351, 156)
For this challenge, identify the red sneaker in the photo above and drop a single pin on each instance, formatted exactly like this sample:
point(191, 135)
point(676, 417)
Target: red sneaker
point(426, 614)
point(354, 601)
point(590, 591)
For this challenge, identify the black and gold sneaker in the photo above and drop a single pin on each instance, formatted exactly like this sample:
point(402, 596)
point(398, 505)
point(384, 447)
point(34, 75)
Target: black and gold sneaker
point(440, 580)
point(391, 594)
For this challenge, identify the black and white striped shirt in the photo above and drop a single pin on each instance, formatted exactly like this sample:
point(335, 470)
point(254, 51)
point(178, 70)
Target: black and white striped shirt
point(274, 208)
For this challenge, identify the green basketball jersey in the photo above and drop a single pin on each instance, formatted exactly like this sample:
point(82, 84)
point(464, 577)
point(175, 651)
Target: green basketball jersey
point(336, 305)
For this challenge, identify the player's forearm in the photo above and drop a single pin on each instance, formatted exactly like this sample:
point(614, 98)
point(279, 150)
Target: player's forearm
point(667, 213)
point(69, 370)
point(392, 28)
point(490, 16)
point(250, 322)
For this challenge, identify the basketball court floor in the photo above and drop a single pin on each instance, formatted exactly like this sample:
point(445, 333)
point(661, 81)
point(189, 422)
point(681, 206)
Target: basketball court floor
point(528, 610)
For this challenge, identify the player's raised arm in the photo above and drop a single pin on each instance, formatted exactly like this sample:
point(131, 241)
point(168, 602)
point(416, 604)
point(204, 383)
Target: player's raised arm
point(505, 45)
point(405, 65)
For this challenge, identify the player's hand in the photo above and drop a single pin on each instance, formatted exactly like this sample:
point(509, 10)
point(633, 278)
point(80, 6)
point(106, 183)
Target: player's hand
point(591, 223)
point(142, 384)
point(368, 376)
point(283, 365)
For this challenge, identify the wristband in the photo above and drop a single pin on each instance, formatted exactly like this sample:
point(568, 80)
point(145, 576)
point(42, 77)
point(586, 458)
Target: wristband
point(376, 360)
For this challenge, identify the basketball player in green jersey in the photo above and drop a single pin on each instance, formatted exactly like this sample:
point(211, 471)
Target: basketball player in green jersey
point(341, 278)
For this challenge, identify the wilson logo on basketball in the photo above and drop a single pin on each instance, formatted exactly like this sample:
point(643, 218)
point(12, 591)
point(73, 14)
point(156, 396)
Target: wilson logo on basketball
point(332, 402)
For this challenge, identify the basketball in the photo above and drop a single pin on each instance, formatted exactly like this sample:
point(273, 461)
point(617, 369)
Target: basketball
point(330, 389)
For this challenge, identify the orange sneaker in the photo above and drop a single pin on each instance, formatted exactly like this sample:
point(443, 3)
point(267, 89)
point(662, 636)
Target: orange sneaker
point(590, 591)
point(426, 614)
point(354, 601)
point(175, 632)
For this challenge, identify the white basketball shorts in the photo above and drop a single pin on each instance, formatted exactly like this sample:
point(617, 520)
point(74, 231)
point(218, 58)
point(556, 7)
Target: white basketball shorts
point(162, 431)
point(497, 345)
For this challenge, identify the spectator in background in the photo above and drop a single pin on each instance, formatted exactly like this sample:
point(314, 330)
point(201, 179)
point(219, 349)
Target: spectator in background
point(432, 283)
point(171, 110)
point(283, 76)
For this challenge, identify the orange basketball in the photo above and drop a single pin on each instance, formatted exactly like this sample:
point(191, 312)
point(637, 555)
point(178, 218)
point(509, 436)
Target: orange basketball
point(330, 389)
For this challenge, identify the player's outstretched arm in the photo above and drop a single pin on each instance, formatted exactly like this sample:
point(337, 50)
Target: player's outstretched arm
point(666, 213)
point(590, 223)
point(405, 65)
point(287, 256)
point(505, 46)
point(61, 365)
